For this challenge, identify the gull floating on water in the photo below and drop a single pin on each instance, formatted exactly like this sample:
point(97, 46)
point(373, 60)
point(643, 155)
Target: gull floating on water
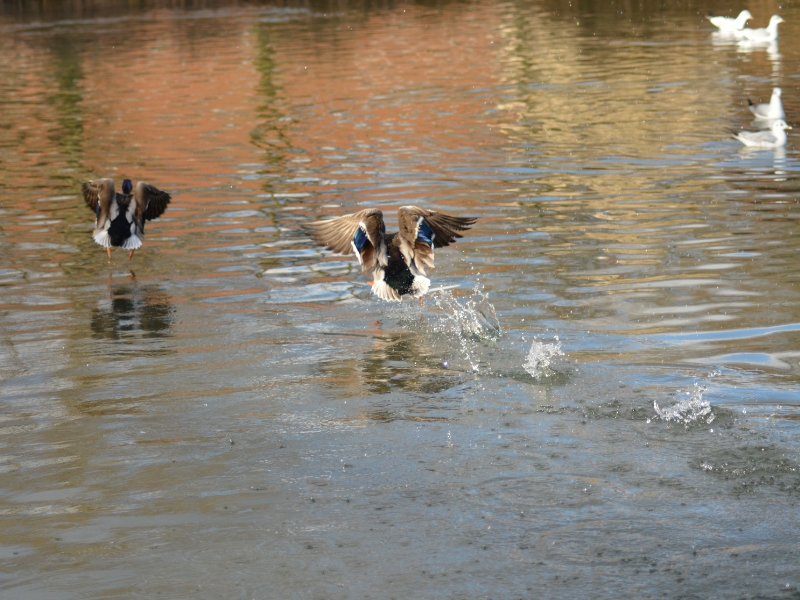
point(773, 110)
point(729, 25)
point(775, 138)
point(764, 34)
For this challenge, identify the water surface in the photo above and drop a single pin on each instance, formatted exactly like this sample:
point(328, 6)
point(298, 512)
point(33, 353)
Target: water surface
point(605, 407)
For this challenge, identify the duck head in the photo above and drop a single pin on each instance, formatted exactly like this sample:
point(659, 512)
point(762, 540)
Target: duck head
point(127, 186)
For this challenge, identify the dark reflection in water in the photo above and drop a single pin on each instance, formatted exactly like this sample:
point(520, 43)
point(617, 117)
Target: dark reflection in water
point(399, 361)
point(270, 134)
point(133, 312)
point(66, 97)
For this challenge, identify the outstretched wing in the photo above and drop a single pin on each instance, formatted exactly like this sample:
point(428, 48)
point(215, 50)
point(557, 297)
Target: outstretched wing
point(422, 230)
point(98, 194)
point(151, 202)
point(361, 233)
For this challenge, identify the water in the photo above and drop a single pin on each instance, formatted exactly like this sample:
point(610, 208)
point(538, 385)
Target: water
point(232, 414)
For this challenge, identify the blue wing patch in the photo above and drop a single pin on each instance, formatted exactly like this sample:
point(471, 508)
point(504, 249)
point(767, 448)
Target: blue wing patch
point(425, 233)
point(360, 239)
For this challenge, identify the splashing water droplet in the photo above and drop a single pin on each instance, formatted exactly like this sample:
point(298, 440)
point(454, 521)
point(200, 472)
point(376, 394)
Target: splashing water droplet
point(689, 410)
point(540, 357)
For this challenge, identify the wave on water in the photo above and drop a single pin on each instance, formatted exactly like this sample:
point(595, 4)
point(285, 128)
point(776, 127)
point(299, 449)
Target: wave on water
point(540, 357)
point(689, 407)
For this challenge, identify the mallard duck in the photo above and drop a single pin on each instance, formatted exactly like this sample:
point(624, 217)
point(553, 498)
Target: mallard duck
point(120, 217)
point(397, 261)
point(764, 34)
point(729, 25)
point(773, 110)
point(774, 138)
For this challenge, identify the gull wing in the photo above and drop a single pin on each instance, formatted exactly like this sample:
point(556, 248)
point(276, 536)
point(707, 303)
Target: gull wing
point(361, 233)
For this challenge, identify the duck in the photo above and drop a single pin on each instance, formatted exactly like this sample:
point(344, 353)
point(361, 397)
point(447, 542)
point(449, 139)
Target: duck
point(397, 261)
point(775, 138)
point(119, 218)
point(773, 110)
point(764, 34)
point(730, 25)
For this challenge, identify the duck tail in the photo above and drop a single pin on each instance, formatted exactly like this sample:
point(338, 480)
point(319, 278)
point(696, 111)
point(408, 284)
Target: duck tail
point(101, 237)
point(132, 243)
point(384, 291)
point(750, 102)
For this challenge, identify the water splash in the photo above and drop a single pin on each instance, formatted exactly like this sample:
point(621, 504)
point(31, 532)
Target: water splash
point(540, 357)
point(689, 407)
point(474, 318)
point(462, 323)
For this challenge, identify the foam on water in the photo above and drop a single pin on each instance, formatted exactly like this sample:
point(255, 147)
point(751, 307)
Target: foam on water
point(689, 407)
point(540, 357)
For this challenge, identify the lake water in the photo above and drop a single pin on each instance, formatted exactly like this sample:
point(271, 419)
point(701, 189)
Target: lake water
point(606, 406)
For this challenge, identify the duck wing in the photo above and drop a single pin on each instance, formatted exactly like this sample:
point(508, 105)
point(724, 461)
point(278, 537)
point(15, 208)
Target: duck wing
point(361, 233)
point(98, 195)
point(151, 202)
point(422, 230)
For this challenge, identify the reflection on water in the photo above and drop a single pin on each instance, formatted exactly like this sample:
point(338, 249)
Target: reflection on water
point(132, 312)
point(242, 418)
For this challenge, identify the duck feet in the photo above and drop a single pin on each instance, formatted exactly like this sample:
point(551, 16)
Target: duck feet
point(130, 256)
point(108, 251)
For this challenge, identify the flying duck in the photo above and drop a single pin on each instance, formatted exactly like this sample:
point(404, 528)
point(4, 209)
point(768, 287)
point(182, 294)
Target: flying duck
point(396, 261)
point(120, 217)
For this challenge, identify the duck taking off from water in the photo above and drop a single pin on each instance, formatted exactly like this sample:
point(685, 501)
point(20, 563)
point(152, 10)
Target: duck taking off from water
point(120, 217)
point(398, 260)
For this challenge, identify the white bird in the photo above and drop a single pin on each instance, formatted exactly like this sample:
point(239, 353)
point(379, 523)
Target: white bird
point(764, 34)
point(765, 139)
point(729, 25)
point(773, 110)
